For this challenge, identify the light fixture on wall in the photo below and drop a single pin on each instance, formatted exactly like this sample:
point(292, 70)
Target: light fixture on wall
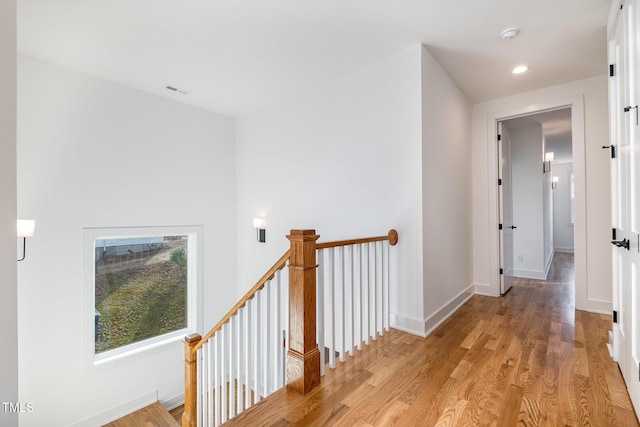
point(548, 158)
point(258, 224)
point(26, 227)
point(554, 182)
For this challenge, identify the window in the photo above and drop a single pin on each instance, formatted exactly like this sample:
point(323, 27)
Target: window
point(141, 287)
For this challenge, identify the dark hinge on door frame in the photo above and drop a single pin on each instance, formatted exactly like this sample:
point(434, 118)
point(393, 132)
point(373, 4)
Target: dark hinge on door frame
point(501, 272)
point(499, 226)
point(613, 234)
point(629, 108)
point(499, 137)
point(613, 150)
point(615, 316)
point(612, 70)
point(499, 181)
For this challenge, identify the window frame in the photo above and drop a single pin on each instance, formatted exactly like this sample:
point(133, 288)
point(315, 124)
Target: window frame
point(93, 362)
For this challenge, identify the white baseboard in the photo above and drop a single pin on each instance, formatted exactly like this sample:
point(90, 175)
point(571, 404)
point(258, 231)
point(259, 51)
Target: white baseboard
point(447, 310)
point(529, 274)
point(484, 290)
point(423, 328)
point(564, 250)
point(407, 324)
point(173, 402)
point(119, 411)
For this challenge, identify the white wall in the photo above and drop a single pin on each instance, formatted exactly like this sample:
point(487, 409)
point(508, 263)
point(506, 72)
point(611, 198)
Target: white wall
point(591, 168)
point(528, 201)
point(384, 147)
point(446, 193)
point(344, 159)
point(562, 226)
point(95, 154)
point(8, 289)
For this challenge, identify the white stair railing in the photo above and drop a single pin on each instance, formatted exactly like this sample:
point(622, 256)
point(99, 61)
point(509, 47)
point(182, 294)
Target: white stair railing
point(352, 295)
point(242, 359)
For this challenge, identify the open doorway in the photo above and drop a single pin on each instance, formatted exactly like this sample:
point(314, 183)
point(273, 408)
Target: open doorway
point(536, 196)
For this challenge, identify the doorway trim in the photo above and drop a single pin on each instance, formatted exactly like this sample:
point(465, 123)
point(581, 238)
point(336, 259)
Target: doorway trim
point(576, 103)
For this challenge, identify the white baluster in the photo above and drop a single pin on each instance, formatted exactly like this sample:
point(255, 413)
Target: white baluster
point(352, 328)
point(232, 359)
point(320, 326)
point(341, 298)
point(267, 334)
point(379, 275)
point(201, 404)
point(239, 350)
point(359, 298)
point(367, 288)
point(332, 319)
point(285, 298)
point(223, 387)
point(247, 353)
point(216, 379)
point(277, 341)
point(208, 365)
point(385, 265)
point(256, 356)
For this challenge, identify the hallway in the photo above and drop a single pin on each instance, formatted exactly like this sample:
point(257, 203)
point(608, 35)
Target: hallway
point(527, 358)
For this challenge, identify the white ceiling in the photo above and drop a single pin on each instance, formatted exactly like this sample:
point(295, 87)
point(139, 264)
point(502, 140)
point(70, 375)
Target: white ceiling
point(237, 56)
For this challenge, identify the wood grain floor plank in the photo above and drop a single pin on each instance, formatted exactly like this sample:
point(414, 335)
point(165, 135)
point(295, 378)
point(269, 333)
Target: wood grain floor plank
point(526, 359)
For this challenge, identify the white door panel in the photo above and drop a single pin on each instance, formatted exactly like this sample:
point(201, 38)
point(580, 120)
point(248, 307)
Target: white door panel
point(505, 200)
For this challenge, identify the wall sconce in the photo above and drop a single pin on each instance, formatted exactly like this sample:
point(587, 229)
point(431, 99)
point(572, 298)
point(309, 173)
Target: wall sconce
point(26, 227)
point(554, 182)
point(548, 158)
point(258, 224)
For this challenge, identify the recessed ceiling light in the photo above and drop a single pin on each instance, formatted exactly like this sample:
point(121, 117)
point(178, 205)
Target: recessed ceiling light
point(520, 69)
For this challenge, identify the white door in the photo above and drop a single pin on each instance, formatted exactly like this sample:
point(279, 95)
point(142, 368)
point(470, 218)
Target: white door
point(505, 201)
point(625, 134)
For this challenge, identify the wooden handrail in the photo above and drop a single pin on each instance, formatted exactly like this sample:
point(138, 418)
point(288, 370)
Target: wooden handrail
point(392, 237)
point(279, 265)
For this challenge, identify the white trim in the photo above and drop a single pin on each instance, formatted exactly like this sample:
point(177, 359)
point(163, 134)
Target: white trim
point(424, 327)
point(523, 273)
point(407, 324)
point(447, 310)
point(576, 103)
point(119, 411)
point(483, 289)
point(173, 402)
point(91, 363)
point(564, 250)
point(548, 264)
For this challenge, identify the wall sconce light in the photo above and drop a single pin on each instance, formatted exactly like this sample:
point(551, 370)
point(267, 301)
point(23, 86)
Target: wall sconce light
point(26, 227)
point(554, 182)
point(258, 224)
point(548, 158)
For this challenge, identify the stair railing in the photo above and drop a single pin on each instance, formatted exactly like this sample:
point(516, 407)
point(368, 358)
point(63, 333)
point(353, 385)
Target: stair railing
point(273, 334)
point(352, 295)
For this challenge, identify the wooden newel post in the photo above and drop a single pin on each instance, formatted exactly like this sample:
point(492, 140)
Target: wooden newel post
point(189, 418)
point(303, 358)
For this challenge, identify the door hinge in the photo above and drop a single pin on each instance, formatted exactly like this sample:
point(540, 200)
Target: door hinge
point(499, 226)
point(615, 316)
point(499, 137)
point(629, 108)
point(613, 150)
point(613, 234)
point(499, 181)
point(612, 70)
point(501, 272)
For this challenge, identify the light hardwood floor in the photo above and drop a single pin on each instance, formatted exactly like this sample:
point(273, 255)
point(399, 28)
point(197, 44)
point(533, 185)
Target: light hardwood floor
point(527, 359)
